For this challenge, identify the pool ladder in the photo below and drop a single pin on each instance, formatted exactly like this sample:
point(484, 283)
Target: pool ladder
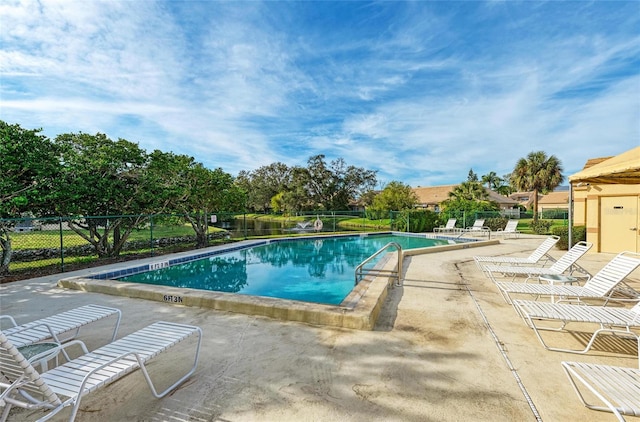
point(361, 272)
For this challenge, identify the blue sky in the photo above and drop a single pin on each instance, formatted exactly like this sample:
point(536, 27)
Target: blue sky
point(420, 91)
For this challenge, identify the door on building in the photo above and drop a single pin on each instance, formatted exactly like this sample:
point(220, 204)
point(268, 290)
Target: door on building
point(619, 223)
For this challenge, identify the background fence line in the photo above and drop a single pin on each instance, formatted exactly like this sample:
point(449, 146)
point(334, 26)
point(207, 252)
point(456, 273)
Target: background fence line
point(45, 245)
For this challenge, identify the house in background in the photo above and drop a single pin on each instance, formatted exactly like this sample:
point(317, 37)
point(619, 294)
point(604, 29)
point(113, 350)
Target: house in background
point(606, 199)
point(431, 197)
point(553, 201)
point(524, 199)
point(558, 199)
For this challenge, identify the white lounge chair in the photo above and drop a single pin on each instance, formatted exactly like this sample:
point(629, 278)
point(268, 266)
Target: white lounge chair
point(536, 256)
point(566, 264)
point(478, 227)
point(450, 227)
point(65, 385)
point(60, 327)
point(607, 284)
point(615, 320)
point(510, 229)
point(617, 387)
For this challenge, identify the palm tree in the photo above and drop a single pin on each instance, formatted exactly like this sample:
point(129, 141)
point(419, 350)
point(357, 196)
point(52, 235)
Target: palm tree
point(469, 190)
point(492, 180)
point(537, 173)
point(504, 189)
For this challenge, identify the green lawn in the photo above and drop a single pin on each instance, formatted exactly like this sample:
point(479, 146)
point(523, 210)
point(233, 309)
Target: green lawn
point(51, 238)
point(524, 225)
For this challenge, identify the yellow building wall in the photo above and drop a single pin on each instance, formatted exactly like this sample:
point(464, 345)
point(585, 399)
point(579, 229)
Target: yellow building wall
point(587, 211)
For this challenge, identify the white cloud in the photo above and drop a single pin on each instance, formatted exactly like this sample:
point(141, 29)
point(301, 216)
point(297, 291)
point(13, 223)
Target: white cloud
point(420, 91)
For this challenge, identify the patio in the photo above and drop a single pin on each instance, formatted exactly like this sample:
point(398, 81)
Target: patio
point(446, 348)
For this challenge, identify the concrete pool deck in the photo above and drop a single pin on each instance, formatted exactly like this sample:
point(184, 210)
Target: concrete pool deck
point(446, 347)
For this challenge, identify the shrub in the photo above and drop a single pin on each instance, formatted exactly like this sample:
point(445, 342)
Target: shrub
point(578, 234)
point(374, 214)
point(496, 223)
point(541, 226)
point(418, 220)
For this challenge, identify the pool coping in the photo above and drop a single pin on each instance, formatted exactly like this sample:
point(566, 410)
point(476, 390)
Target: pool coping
point(360, 310)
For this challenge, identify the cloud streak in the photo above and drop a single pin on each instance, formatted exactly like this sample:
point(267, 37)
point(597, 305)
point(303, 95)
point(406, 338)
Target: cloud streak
point(421, 92)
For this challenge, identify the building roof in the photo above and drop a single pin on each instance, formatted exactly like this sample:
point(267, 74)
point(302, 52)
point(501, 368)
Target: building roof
point(593, 161)
point(434, 195)
point(500, 199)
point(623, 168)
point(556, 197)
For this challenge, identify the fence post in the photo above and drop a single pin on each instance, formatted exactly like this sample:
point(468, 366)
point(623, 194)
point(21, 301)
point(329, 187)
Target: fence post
point(151, 233)
point(61, 245)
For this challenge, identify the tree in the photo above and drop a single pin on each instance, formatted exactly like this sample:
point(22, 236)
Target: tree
point(333, 187)
point(504, 186)
point(187, 187)
point(263, 184)
point(30, 167)
point(492, 180)
point(396, 196)
point(296, 197)
point(537, 173)
point(101, 178)
point(205, 192)
point(466, 207)
point(471, 190)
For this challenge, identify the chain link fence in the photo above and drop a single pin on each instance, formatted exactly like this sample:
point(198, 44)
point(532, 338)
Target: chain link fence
point(46, 245)
point(34, 246)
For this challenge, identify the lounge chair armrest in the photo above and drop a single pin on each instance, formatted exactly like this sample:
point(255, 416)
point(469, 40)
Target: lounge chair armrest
point(34, 326)
point(60, 348)
point(622, 300)
point(10, 318)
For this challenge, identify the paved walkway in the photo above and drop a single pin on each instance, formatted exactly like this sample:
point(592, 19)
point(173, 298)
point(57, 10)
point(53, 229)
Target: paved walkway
point(446, 348)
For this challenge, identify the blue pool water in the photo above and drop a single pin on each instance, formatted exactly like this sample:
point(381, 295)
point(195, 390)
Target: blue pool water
point(311, 270)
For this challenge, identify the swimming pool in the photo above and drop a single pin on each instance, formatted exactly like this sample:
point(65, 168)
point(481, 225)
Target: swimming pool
point(318, 270)
point(359, 310)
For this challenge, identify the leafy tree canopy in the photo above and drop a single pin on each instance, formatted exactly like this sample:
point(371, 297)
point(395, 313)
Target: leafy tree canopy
point(396, 196)
point(30, 168)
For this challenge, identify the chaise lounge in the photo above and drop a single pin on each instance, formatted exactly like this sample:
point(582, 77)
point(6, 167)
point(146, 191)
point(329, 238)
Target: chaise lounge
point(61, 327)
point(450, 227)
point(608, 284)
point(510, 229)
point(536, 257)
point(21, 385)
point(618, 388)
point(616, 320)
point(565, 265)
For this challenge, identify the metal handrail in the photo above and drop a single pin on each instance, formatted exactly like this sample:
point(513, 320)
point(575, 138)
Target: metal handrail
point(397, 272)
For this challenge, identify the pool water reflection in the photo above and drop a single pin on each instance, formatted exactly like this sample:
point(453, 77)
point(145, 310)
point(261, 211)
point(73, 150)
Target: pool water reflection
point(319, 270)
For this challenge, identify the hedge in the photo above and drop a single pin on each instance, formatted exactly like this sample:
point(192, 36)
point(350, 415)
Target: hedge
point(578, 234)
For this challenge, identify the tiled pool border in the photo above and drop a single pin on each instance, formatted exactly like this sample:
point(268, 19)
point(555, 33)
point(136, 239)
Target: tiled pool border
point(359, 310)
